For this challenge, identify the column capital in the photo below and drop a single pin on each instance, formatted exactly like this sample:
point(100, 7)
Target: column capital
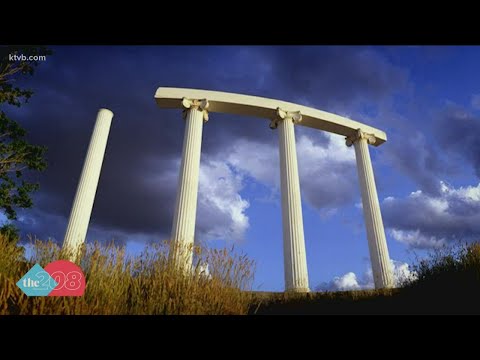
point(198, 104)
point(359, 134)
point(295, 116)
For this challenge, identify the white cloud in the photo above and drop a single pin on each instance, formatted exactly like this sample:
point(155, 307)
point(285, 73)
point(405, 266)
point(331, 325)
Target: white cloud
point(415, 239)
point(475, 101)
point(327, 167)
point(346, 282)
point(402, 272)
point(326, 173)
point(424, 220)
point(221, 209)
point(257, 160)
point(221, 212)
point(350, 281)
point(334, 151)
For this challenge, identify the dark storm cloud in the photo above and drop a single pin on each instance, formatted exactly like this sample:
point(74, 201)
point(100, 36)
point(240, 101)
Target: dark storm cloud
point(325, 189)
point(145, 141)
point(440, 213)
point(36, 224)
point(458, 132)
point(331, 77)
point(327, 170)
point(414, 156)
point(424, 221)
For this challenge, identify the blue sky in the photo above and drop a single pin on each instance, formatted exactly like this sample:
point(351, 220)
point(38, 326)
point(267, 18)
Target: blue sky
point(427, 100)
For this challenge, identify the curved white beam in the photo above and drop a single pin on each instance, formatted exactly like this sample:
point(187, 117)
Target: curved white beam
point(239, 104)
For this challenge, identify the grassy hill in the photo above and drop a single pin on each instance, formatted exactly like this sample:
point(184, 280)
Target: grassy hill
point(447, 283)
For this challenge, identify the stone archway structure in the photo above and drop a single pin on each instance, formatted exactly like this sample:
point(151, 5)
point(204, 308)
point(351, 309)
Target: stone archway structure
point(283, 116)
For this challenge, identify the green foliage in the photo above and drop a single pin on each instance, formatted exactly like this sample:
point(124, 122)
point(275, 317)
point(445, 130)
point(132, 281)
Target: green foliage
point(454, 269)
point(16, 153)
point(447, 281)
point(9, 93)
point(10, 233)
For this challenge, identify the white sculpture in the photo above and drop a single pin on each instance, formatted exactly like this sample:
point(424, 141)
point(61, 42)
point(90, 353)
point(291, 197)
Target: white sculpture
point(183, 228)
point(87, 186)
point(283, 115)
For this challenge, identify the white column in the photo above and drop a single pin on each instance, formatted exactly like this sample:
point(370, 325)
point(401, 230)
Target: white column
point(183, 228)
point(87, 186)
point(377, 244)
point(295, 259)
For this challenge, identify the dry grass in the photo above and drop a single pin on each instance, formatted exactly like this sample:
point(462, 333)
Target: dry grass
point(448, 283)
point(121, 284)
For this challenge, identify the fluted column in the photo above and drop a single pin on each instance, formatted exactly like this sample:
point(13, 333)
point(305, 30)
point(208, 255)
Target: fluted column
point(87, 187)
point(377, 244)
point(295, 259)
point(183, 228)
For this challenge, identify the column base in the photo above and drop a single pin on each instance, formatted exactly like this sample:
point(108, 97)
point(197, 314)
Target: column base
point(298, 290)
point(389, 286)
